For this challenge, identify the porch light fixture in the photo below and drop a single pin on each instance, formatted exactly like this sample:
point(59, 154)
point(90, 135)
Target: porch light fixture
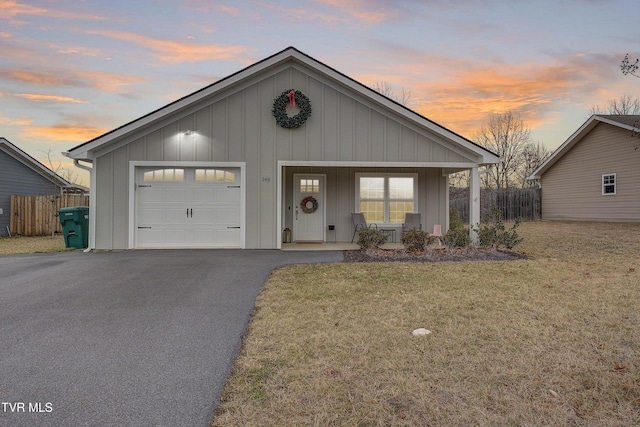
point(188, 132)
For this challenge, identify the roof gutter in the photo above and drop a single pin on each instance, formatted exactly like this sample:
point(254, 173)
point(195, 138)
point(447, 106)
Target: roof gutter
point(76, 162)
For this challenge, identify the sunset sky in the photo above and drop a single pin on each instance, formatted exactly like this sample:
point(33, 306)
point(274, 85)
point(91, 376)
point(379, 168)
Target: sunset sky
point(72, 70)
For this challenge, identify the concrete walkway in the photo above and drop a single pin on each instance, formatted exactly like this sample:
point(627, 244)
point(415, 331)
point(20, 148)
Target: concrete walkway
point(126, 338)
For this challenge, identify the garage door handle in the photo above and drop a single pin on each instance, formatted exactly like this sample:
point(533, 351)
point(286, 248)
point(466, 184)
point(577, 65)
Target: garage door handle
point(144, 227)
point(233, 227)
point(233, 186)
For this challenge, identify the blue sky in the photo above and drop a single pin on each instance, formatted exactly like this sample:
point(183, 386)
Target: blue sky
point(72, 70)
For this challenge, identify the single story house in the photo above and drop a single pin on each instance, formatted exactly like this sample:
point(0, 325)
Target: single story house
point(595, 174)
point(286, 143)
point(21, 174)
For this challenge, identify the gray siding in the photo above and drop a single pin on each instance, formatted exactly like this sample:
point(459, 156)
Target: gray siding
point(237, 126)
point(17, 178)
point(572, 187)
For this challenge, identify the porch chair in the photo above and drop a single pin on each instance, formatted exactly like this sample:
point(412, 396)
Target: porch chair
point(359, 223)
point(412, 220)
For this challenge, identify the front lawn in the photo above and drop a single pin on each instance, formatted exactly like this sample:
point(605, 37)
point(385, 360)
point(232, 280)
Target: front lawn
point(30, 245)
point(550, 340)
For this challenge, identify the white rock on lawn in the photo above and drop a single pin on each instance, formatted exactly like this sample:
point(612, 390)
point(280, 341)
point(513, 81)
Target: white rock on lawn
point(421, 332)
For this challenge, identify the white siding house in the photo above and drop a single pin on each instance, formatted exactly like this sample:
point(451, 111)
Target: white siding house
point(595, 174)
point(215, 168)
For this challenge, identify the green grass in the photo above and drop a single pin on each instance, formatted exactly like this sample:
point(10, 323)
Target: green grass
point(552, 340)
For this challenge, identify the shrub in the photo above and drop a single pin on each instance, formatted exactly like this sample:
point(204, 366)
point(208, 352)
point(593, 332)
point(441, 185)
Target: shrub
point(415, 240)
point(371, 238)
point(492, 232)
point(458, 234)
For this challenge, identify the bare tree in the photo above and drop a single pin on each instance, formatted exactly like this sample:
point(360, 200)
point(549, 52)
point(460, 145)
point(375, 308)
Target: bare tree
point(404, 98)
point(459, 180)
point(628, 67)
point(507, 136)
point(66, 174)
point(625, 105)
point(531, 158)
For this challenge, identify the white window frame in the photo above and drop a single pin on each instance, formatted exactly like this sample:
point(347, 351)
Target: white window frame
point(614, 183)
point(387, 200)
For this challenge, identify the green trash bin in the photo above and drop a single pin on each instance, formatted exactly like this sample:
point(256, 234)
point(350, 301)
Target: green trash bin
point(75, 226)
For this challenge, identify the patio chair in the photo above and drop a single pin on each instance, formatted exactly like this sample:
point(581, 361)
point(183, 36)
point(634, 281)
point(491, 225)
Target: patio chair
point(359, 223)
point(412, 220)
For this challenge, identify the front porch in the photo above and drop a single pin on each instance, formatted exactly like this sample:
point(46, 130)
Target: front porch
point(316, 200)
point(324, 246)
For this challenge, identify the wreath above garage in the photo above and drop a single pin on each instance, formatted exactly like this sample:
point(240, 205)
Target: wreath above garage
point(290, 100)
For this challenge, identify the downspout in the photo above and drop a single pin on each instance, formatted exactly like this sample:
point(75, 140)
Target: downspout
point(92, 213)
point(77, 164)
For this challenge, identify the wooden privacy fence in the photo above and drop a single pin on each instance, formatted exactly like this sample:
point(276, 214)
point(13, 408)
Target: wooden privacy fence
point(38, 215)
point(525, 204)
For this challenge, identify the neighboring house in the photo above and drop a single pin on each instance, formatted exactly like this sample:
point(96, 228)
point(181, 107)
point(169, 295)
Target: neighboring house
point(23, 175)
point(595, 174)
point(216, 169)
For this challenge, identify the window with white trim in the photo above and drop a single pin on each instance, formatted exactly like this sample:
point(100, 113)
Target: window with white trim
point(385, 198)
point(166, 175)
point(608, 184)
point(214, 175)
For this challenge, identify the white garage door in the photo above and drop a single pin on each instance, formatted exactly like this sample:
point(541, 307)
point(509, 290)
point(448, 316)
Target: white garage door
point(188, 208)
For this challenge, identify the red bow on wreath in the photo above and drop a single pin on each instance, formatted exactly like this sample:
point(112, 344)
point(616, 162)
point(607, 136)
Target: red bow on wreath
point(292, 98)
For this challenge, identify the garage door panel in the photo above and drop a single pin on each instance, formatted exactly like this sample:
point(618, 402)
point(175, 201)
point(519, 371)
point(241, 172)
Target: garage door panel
point(178, 236)
point(227, 237)
point(150, 237)
point(175, 216)
point(227, 216)
point(176, 195)
point(150, 195)
point(227, 195)
point(152, 216)
point(203, 215)
point(204, 195)
point(188, 213)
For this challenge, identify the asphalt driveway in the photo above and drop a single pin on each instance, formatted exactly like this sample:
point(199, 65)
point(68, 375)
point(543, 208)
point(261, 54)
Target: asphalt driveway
point(126, 338)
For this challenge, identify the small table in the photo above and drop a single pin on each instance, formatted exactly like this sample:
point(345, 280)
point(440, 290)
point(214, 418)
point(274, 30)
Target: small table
point(391, 232)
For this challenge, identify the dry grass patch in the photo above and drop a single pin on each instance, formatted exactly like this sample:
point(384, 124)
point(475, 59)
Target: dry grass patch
point(30, 245)
point(552, 340)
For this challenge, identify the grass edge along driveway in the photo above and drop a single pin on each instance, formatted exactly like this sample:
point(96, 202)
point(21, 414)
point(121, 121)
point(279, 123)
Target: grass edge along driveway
point(553, 340)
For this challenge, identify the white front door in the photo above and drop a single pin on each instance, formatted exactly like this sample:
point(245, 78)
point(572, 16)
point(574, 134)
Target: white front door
point(188, 207)
point(309, 209)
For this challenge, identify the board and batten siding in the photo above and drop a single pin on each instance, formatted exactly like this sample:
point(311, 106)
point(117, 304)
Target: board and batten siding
point(17, 178)
point(236, 125)
point(572, 187)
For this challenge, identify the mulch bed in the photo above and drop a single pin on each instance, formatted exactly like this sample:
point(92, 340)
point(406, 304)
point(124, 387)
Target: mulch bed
point(434, 255)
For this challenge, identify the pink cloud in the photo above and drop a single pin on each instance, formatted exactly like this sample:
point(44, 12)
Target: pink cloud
point(301, 14)
point(461, 94)
point(49, 98)
point(177, 52)
point(362, 10)
point(64, 133)
point(103, 81)
point(9, 9)
point(20, 121)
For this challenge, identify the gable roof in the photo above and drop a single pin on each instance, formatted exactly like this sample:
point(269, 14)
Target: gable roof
point(628, 122)
point(84, 151)
point(35, 165)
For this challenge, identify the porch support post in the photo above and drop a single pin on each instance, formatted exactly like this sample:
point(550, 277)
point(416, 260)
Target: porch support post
point(474, 203)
